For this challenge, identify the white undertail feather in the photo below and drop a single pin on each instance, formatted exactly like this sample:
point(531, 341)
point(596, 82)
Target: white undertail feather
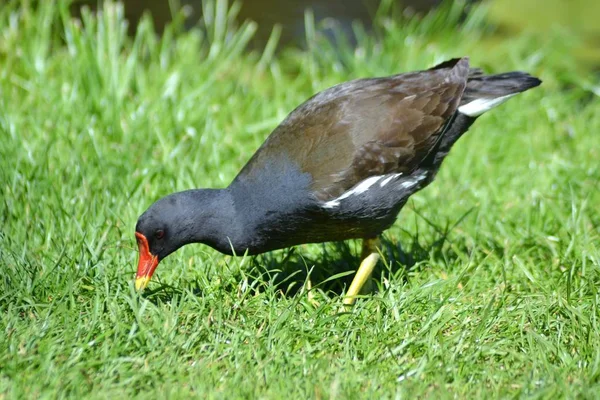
point(478, 106)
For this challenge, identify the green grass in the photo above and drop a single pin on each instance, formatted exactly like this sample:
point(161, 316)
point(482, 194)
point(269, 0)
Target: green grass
point(500, 296)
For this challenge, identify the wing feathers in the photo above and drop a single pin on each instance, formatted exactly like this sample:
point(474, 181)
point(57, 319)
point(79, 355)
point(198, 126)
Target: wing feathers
point(366, 127)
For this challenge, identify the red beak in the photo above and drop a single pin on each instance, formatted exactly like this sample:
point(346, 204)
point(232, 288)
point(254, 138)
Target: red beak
point(147, 263)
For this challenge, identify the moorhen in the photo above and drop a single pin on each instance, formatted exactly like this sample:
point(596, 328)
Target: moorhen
point(340, 166)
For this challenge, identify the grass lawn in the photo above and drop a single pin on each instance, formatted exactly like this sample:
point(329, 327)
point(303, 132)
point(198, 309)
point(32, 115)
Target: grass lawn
point(490, 285)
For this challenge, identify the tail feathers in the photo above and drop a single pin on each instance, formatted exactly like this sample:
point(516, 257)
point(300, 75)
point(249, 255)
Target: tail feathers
point(484, 92)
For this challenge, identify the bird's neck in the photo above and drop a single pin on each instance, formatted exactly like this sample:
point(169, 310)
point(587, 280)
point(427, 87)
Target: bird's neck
point(212, 218)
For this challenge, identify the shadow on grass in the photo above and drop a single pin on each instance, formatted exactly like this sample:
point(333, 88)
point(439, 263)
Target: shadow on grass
point(290, 271)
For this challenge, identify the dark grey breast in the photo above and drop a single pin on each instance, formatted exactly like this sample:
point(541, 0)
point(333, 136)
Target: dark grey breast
point(364, 128)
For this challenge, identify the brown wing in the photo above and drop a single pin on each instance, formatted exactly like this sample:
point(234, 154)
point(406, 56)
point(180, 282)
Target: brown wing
point(366, 127)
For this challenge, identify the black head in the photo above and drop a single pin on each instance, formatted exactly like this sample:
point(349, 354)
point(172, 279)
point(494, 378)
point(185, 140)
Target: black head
point(160, 226)
point(170, 223)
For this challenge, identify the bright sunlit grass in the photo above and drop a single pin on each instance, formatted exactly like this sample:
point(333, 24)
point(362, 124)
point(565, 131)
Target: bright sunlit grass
point(500, 293)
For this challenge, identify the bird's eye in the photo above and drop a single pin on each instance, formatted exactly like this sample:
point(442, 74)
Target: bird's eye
point(159, 234)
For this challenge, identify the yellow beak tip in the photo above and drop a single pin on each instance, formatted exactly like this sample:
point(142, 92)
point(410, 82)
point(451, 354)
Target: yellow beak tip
point(141, 283)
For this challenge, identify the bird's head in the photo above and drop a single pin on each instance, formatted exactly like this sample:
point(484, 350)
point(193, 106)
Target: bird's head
point(178, 219)
point(158, 233)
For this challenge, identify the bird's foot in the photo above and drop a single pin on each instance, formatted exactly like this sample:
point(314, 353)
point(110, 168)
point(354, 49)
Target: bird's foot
point(362, 278)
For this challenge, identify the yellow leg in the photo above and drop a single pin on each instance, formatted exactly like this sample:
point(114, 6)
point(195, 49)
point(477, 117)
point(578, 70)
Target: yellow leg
point(369, 257)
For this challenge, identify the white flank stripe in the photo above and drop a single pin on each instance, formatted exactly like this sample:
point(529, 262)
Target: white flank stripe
point(331, 204)
point(389, 178)
point(366, 184)
point(409, 184)
point(361, 187)
point(412, 182)
point(479, 106)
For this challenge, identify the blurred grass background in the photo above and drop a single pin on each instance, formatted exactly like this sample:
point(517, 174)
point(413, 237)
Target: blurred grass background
point(490, 282)
point(507, 18)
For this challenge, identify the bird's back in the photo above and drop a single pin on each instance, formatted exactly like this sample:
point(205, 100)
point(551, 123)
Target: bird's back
point(364, 127)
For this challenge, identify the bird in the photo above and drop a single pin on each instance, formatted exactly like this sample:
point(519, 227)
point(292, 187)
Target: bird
point(340, 166)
